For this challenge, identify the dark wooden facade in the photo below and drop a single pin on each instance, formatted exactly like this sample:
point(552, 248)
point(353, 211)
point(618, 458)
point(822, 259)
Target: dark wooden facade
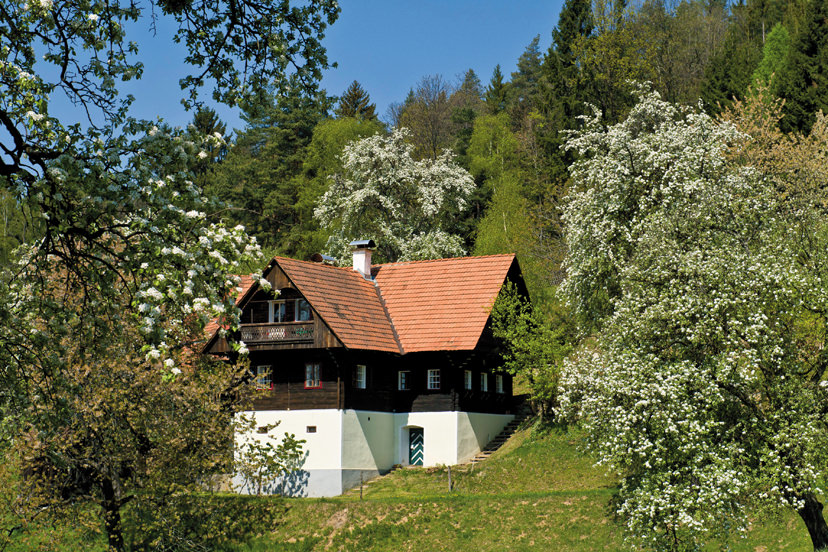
point(381, 393)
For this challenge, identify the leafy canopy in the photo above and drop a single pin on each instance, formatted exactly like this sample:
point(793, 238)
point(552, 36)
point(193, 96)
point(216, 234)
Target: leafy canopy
point(704, 288)
point(408, 207)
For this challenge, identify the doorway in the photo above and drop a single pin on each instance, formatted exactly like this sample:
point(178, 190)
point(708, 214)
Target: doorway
point(415, 446)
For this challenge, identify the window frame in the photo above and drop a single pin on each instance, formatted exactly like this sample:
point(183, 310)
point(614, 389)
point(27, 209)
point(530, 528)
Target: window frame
point(468, 380)
point(360, 382)
point(313, 369)
point(403, 380)
point(263, 378)
point(499, 384)
point(433, 379)
point(484, 382)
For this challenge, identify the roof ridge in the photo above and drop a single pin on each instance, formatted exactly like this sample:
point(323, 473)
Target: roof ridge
point(446, 259)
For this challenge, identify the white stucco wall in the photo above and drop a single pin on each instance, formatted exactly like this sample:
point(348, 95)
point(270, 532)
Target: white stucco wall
point(475, 430)
point(352, 444)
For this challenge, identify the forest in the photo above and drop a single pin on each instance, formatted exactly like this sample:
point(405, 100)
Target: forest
point(660, 172)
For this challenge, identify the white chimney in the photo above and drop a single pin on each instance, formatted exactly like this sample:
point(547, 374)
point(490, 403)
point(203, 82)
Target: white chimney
point(362, 256)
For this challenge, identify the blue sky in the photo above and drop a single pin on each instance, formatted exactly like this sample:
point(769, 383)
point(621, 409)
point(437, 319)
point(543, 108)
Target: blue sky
point(387, 45)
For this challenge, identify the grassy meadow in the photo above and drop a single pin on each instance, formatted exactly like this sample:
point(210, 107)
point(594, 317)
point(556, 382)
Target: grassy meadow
point(538, 492)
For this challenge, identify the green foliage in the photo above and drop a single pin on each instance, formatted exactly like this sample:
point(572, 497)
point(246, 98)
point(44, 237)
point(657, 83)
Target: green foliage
point(705, 385)
point(774, 56)
point(323, 160)
point(532, 348)
point(260, 180)
point(802, 82)
point(260, 462)
point(356, 103)
point(497, 92)
point(408, 207)
point(201, 522)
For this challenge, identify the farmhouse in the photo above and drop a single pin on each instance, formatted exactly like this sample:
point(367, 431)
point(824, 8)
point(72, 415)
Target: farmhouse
point(376, 365)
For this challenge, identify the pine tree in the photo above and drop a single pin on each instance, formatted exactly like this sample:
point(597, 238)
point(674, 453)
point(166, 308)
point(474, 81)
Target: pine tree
point(524, 91)
point(497, 92)
point(803, 83)
point(356, 102)
point(466, 104)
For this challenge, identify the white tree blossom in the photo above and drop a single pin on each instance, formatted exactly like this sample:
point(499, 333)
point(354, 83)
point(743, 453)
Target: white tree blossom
point(408, 207)
point(704, 387)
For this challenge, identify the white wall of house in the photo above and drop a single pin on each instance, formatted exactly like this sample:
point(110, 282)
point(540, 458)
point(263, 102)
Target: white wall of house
point(350, 445)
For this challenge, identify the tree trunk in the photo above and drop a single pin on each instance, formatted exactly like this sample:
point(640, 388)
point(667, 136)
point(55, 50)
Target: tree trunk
point(112, 518)
point(811, 514)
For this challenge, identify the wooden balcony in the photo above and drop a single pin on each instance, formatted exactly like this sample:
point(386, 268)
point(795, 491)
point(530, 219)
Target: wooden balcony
point(290, 332)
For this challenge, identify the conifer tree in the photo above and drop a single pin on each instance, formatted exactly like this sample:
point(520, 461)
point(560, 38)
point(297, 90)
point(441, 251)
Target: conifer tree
point(803, 83)
point(497, 92)
point(356, 102)
point(524, 84)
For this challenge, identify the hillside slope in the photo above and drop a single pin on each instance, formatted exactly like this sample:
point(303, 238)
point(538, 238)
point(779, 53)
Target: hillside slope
point(538, 492)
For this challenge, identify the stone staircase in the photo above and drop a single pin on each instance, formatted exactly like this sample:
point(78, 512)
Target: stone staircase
point(523, 411)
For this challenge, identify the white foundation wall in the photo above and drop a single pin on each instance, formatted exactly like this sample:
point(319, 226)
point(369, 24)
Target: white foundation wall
point(354, 445)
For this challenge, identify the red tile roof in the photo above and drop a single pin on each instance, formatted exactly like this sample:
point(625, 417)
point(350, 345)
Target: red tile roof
point(348, 303)
point(442, 304)
point(438, 305)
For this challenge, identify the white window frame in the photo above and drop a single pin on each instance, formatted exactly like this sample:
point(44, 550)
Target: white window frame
point(263, 380)
point(312, 375)
point(484, 381)
point(433, 381)
point(499, 383)
point(404, 380)
point(467, 380)
point(360, 377)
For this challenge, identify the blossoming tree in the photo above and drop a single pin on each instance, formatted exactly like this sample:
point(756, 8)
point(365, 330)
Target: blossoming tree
point(101, 398)
point(704, 285)
point(408, 207)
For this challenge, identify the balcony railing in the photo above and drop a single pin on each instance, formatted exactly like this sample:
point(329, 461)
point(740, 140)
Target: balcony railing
point(277, 333)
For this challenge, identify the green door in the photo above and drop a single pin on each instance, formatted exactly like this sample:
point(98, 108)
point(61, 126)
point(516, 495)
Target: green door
point(415, 446)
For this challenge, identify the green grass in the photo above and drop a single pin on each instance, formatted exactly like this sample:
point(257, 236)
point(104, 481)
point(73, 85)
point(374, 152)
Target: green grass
point(537, 493)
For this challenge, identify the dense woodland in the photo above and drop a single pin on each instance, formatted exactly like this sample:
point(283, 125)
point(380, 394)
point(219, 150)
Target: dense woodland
point(660, 171)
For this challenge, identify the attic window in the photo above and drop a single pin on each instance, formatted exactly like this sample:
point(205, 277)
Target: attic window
point(274, 312)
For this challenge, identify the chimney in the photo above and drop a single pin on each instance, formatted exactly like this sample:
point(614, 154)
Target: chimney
point(362, 256)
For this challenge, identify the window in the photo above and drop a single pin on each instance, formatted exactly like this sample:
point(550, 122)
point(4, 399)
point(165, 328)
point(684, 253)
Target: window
point(303, 311)
point(434, 379)
point(467, 379)
point(484, 381)
point(499, 383)
point(312, 376)
point(310, 429)
point(403, 380)
point(263, 380)
point(359, 377)
point(272, 312)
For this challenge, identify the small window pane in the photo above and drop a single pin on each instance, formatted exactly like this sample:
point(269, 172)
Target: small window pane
point(312, 375)
point(499, 383)
point(484, 381)
point(360, 379)
point(278, 311)
point(467, 379)
point(403, 380)
point(263, 380)
point(434, 379)
point(303, 311)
